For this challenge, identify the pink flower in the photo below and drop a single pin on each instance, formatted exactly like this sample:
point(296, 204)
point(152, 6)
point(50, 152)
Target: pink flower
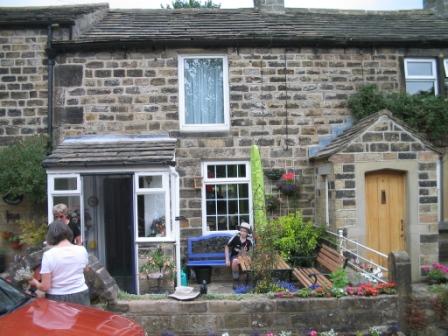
point(313, 333)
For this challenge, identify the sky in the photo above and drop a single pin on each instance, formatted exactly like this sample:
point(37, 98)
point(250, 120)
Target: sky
point(340, 4)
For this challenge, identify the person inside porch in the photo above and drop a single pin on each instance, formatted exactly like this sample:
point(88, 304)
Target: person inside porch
point(239, 244)
point(60, 212)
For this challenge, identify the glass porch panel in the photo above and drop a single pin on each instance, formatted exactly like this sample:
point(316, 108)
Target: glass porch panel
point(150, 182)
point(72, 202)
point(151, 215)
point(65, 183)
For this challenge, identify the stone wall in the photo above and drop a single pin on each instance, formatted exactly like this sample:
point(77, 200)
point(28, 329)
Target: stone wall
point(303, 90)
point(201, 316)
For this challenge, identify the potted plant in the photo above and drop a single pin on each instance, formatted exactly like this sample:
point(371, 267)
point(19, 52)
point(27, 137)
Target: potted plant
point(32, 233)
point(287, 184)
point(157, 264)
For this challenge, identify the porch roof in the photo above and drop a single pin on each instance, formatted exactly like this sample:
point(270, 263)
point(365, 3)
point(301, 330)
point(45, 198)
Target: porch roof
point(113, 151)
point(342, 141)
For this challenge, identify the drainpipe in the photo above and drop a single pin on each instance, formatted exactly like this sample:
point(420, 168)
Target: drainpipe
point(50, 63)
point(175, 197)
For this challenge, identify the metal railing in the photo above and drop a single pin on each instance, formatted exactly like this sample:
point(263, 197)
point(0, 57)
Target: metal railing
point(360, 258)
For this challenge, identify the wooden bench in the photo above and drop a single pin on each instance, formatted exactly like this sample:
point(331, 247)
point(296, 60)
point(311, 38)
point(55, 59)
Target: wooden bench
point(280, 265)
point(329, 259)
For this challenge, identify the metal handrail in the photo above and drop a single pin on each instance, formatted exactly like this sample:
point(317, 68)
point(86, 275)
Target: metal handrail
point(342, 246)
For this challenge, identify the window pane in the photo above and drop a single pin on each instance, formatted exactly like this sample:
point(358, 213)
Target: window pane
point(244, 206)
point(243, 190)
point(72, 202)
point(420, 69)
point(234, 222)
point(150, 181)
point(416, 87)
point(241, 170)
point(210, 190)
point(65, 183)
point(151, 215)
point(211, 207)
point(221, 171)
point(222, 223)
point(232, 191)
point(211, 171)
point(233, 207)
point(221, 207)
point(212, 223)
point(204, 91)
point(232, 171)
point(221, 191)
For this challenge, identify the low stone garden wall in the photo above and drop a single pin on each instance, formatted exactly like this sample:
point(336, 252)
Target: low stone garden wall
point(263, 314)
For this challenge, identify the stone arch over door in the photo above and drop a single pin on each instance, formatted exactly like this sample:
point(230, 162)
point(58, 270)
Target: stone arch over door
point(385, 211)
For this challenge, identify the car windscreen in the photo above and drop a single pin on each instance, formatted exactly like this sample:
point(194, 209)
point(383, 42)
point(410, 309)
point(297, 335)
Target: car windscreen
point(10, 297)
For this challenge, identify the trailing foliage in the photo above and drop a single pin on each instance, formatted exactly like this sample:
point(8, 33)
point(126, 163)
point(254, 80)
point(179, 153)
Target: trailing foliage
point(21, 171)
point(426, 113)
point(178, 4)
point(296, 237)
point(33, 233)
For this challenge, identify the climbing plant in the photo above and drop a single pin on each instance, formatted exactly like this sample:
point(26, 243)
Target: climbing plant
point(426, 113)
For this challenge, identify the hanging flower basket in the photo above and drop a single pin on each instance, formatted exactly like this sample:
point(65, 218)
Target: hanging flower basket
point(274, 174)
point(287, 184)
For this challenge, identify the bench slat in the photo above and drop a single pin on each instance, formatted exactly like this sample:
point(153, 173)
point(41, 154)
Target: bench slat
point(327, 257)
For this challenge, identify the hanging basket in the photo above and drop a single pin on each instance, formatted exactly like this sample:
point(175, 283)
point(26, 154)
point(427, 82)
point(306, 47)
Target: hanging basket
point(274, 174)
point(12, 200)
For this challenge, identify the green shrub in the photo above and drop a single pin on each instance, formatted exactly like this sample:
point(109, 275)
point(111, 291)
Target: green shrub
point(296, 237)
point(21, 171)
point(426, 113)
point(339, 278)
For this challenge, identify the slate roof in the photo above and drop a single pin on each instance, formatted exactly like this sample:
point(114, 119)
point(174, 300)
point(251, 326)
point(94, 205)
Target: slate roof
point(113, 151)
point(36, 16)
point(343, 141)
point(240, 27)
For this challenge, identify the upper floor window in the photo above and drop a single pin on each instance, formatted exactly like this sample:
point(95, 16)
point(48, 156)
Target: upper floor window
point(421, 75)
point(226, 195)
point(203, 93)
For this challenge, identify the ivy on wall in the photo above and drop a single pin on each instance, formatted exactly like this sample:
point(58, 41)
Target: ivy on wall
point(426, 113)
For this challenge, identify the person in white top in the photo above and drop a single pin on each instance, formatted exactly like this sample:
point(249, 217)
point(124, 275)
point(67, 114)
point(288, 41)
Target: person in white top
point(62, 269)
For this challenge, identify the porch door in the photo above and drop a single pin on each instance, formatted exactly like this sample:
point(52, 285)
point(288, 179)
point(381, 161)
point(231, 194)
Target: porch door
point(119, 234)
point(385, 212)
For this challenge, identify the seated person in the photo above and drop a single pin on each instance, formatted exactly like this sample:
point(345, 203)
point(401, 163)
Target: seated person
point(239, 244)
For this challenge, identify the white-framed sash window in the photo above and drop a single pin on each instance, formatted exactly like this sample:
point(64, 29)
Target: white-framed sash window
point(152, 207)
point(226, 195)
point(421, 75)
point(203, 93)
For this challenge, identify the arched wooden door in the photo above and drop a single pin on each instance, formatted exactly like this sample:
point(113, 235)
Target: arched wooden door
point(385, 211)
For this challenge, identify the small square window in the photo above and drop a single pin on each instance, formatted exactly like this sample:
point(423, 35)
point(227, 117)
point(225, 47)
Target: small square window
point(421, 76)
point(203, 93)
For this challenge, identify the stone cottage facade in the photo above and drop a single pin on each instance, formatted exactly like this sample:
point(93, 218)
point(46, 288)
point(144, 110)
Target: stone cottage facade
point(98, 79)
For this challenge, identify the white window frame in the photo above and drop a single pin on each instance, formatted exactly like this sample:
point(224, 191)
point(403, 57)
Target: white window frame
point(52, 192)
point(206, 179)
point(148, 191)
point(416, 79)
point(225, 77)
